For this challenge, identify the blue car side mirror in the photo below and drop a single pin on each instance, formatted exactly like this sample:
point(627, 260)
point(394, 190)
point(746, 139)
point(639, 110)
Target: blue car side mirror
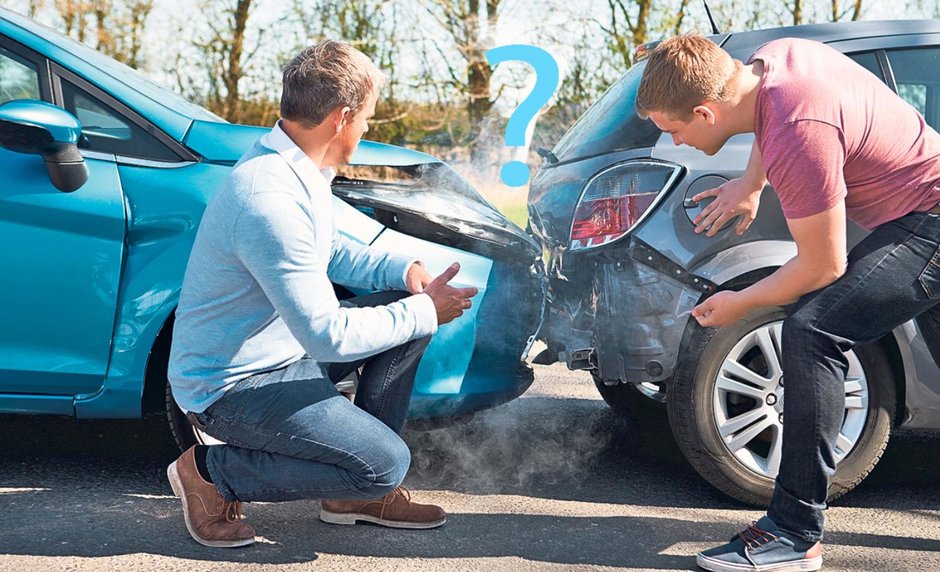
point(40, 128)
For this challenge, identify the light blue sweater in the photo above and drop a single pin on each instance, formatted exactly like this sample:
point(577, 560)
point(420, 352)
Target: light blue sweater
point(257, 294)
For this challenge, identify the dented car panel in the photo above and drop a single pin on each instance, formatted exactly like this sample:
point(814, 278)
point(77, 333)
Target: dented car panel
point(623, 318)
point(476, 362)
point(613, 209)
point(158, 166)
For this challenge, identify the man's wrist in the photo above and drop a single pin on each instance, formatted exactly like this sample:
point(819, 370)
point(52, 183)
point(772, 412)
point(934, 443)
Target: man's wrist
point(411, 264)
point(754, 185)
point(749, 298)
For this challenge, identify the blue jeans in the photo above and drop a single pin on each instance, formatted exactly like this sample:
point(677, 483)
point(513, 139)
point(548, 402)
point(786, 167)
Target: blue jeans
point(290, 435)
point(893, 276)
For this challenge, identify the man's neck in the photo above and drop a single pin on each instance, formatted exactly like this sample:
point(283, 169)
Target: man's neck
point(744, 104)
point(313, 141)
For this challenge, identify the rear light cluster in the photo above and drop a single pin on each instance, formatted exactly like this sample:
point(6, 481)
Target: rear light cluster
point(616, 199)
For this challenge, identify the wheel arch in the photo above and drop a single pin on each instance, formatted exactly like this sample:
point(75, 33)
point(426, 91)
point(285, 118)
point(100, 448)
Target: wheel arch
point(155, 375)
point(892, 349)
point(743, 265)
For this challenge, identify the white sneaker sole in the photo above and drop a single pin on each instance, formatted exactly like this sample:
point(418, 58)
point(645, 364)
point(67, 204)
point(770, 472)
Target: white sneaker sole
point(353, 518)
point(177, 485)
point(713, 565)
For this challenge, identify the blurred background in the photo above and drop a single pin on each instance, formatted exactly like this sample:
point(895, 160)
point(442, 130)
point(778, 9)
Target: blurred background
point(442, 96)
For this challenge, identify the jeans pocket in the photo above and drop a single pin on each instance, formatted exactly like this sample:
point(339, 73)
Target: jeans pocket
point(930, 276)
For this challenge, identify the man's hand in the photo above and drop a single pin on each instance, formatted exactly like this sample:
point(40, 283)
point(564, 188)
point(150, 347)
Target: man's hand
point(417, 278)
point(449, 302)
point(734, 198)
point(721, 309)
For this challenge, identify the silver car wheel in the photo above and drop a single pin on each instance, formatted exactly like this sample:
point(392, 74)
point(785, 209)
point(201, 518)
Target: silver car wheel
point(748, 401)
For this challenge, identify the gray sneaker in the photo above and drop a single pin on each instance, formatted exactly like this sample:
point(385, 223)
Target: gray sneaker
point(763, 547)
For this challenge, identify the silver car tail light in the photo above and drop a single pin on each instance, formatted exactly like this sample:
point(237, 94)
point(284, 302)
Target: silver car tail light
point(618, 198)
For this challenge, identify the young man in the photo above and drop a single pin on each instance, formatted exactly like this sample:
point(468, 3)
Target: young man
point(836, 144)
point(260, 337)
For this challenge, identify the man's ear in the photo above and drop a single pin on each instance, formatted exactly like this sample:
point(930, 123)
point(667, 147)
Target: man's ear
point(705, 112)
point(341, 116)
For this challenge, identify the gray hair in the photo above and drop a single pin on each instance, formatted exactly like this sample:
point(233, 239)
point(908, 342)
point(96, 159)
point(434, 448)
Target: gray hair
point(326, 76)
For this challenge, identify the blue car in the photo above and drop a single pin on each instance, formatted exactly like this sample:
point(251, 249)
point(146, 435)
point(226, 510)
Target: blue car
point(106, 178)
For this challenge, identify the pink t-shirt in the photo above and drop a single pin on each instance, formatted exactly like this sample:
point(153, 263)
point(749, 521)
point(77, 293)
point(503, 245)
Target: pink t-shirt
point(828, 129)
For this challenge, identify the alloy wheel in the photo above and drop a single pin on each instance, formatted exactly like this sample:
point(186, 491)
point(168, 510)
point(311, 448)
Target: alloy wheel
point(749, 405)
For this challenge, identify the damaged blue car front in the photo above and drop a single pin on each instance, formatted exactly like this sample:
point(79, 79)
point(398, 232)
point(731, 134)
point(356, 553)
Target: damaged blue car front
point(107, 178)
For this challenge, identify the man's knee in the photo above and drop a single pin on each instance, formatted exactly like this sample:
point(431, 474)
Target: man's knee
point(387, 469)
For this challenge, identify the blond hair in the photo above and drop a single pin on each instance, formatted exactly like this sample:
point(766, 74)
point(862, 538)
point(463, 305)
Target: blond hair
point(326, 76)
point(683, 72)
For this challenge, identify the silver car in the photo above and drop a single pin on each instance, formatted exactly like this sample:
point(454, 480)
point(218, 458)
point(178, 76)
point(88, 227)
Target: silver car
point(612, 208)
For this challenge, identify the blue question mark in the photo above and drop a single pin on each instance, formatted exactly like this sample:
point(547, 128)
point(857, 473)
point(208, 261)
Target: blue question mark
point(516, 173)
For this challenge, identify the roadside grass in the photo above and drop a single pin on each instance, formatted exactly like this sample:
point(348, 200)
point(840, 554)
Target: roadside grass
point(511, 201)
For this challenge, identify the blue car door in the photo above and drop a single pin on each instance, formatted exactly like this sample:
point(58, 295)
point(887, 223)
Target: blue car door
point(60, 258)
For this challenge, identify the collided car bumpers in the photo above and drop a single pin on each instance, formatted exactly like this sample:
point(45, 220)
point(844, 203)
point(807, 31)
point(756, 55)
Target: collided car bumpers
point(620, 310)
point(438, 206)
point(597, 321)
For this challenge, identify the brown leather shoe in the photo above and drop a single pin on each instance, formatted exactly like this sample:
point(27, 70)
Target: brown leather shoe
point(394, 510)
point(210, 519)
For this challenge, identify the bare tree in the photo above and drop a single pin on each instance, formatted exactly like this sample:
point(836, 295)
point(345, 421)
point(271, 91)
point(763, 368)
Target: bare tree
point(222, 54)
point(101, 9)
point(627, 28)
point(34, 7)
point(797, 12)
point(470, 24)
point(116, 26)
point(74, 15)
point(127, 31)
point(855, 9)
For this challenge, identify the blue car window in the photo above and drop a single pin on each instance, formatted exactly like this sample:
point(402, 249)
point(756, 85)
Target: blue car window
point(18, 78)
point(105, 129)
point(917, 75)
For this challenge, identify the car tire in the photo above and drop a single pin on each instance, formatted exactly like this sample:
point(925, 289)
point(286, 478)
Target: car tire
point(183, 431)
point(645, 403)
point(698, 406)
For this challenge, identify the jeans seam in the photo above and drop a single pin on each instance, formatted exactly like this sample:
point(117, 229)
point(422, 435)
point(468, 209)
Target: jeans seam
point(934, 261)
point(389, 375)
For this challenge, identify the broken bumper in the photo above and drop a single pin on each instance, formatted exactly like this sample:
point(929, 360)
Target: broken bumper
point(621, 313)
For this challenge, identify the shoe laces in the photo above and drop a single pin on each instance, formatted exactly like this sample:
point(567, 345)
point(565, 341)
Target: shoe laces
point(401, 492)
point(753, 537)
point(233, 511)
point(389, 499)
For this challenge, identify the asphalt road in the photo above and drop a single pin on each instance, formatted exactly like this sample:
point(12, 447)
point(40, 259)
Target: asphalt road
point(552, 481)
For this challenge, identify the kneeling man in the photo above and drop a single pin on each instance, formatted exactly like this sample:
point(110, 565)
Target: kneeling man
point(260, 337)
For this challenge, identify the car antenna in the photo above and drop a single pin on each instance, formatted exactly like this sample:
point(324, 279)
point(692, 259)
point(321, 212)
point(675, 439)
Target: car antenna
point(715, 29)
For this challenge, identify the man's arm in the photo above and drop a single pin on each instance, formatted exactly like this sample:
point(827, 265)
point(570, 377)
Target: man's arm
point(362, 266)
point(805, 165)
point(820, 261)
point(276, 242)
point(737, 197)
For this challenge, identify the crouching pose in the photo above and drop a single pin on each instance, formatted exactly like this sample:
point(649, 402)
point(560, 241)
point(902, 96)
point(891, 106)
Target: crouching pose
point(260, 337)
